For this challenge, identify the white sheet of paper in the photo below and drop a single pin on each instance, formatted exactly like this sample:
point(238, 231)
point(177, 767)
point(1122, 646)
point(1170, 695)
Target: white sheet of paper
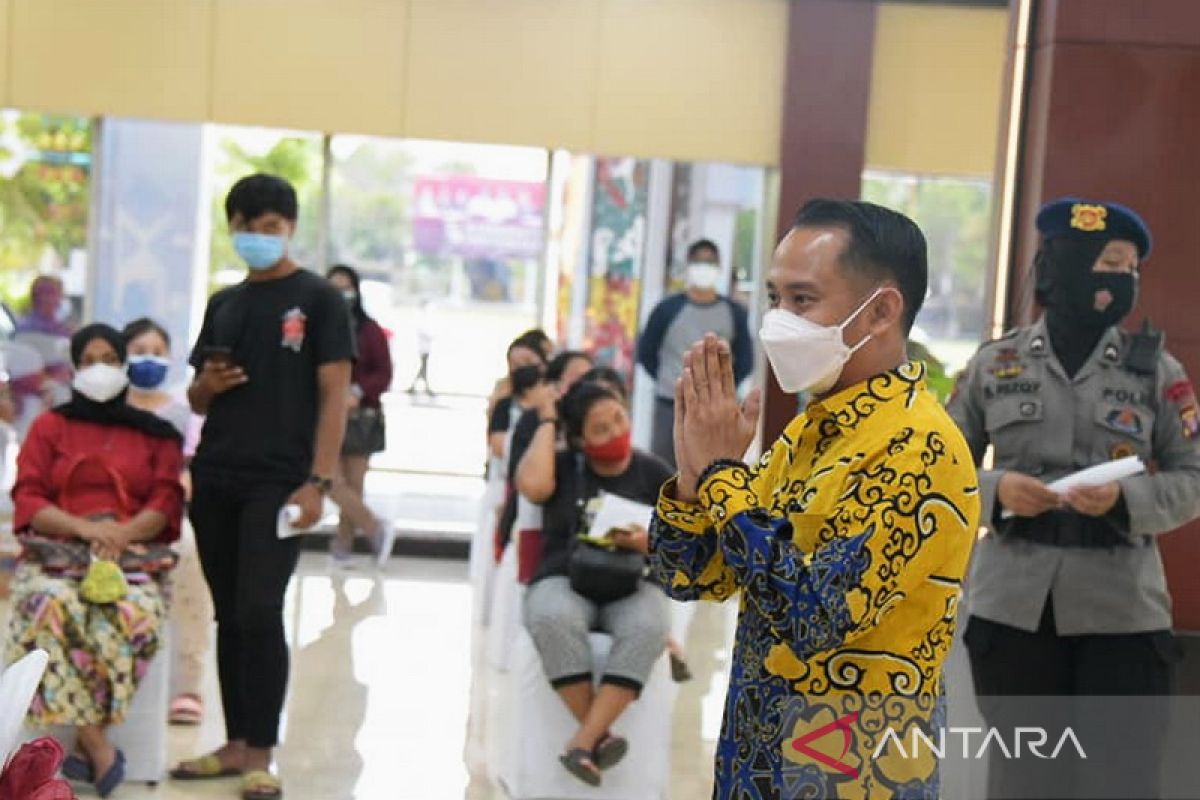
point(284, 528)
point(1099, 474)
point(1095, 476)
point(617, 512)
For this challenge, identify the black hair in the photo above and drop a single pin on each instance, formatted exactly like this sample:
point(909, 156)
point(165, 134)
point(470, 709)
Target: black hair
point(558, 365)
point(144, 325)
point(573, 408)
point(883, 244)
point(531, 340)
point(703, 244)
point(260, 194)
point(356, 308)
point(610, 376)
point(537, 339)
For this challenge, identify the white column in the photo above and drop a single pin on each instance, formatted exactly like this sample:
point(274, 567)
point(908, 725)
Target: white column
point(149, 248)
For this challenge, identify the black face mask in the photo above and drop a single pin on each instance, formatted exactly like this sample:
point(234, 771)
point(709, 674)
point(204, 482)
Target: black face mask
point(1068, 288)
point(1075, 316)
point(525, 378)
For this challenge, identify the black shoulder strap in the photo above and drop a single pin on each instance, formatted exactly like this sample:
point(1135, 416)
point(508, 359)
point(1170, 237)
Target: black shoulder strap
point(1145, 347)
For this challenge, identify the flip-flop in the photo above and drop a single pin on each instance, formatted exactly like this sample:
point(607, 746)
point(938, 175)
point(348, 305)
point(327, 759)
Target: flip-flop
point(186, 709)
point(581, 764)
point(77, 768)
point(204, 768)
point(680, 672)
point(261, 785)
point(609, 751)
point(109, 781)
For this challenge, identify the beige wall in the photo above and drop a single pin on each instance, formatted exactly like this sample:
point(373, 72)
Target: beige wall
point(936, 89)
point(684, 79)
point(676, 78)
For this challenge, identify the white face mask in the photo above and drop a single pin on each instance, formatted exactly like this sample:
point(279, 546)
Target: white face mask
point(805, 355)
point(100, 382)
point(702, 275)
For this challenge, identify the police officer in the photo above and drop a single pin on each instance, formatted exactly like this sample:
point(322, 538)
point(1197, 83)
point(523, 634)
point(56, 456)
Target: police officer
point(1067, 596)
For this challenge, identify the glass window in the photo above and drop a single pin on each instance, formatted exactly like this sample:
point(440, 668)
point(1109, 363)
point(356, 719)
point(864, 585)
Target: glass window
point(241, 151)
point(45, 180)
point(955, 214)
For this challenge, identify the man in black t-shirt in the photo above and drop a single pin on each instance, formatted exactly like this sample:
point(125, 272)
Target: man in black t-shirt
point(273, 377)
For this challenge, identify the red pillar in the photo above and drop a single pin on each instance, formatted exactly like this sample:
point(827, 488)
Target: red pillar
point(1113, 111)
point(823, 143)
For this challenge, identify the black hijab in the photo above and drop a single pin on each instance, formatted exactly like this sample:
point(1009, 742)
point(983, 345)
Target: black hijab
point(116, 411)
point(1067, 286)
point(357, 310)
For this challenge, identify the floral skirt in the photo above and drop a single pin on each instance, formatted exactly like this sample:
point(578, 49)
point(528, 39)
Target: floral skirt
point(98, 653)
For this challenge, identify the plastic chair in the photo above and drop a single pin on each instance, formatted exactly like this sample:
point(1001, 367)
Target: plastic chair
point(539, 725)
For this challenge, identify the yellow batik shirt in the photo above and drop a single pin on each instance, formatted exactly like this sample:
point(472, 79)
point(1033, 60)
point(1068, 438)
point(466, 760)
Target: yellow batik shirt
point(848, 542)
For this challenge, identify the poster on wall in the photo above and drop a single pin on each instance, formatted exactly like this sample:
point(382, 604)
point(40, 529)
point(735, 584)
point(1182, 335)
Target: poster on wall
point(477, 218)
point(615, 260)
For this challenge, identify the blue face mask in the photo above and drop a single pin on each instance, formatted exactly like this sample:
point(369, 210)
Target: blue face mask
point(260, 251)
point(148, 372)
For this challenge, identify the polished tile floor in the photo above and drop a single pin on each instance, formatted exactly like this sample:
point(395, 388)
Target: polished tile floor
point(380, 692)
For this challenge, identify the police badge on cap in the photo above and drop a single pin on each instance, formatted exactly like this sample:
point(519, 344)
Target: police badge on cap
point(1102, 220)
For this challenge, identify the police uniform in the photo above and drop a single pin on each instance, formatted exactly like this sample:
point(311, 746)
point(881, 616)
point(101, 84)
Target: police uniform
point(1063, 604)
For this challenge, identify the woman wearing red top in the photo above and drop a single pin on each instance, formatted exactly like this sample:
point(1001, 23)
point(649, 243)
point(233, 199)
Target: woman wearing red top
point(97, 456)
point(365, 432)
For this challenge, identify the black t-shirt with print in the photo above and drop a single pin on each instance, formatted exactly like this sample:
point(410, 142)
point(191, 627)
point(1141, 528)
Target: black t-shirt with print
point(561, 521)
point(279, 332)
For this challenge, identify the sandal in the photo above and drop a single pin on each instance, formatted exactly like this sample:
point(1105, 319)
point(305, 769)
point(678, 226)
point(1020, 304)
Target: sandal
point(680, 672)
point(204, 768)
point(580, 763)
point(76, 767)
point(107, 783)
point(609, 751)
point(186, 709)
point(261, 785)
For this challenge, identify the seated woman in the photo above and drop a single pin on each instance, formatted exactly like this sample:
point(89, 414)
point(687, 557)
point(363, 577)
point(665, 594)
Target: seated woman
point(191, 608)
point(600, 460)
point(93, 474)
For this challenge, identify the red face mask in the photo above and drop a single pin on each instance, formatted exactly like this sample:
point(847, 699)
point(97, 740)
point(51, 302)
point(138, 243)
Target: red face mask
point(615, 449)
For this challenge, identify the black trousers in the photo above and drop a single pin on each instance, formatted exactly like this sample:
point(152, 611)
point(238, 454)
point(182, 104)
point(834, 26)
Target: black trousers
point(247, 568)
point(1113, 691)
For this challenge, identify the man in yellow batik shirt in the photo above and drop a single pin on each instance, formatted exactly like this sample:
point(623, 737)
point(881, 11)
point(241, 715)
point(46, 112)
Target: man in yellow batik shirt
point(848, 541)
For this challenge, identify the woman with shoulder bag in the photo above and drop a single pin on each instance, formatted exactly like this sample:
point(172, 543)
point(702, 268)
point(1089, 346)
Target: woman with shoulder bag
point(366, 433)
point(97, 503)
point(579, 586)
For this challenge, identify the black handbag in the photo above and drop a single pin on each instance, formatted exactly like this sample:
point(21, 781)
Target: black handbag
point(366, 433)
point(600, 571)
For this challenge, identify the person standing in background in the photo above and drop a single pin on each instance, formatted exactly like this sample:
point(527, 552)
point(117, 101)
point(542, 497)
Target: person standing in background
point(1068, 600)
point(273, 364)
point(366, 433)
point(678, 322)
point(424, 348)
point(190, 610)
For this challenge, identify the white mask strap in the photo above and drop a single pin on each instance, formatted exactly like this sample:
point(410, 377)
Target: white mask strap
point(859, 310)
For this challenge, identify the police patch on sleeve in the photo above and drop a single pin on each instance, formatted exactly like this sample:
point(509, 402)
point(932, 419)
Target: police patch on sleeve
point(1183, 397)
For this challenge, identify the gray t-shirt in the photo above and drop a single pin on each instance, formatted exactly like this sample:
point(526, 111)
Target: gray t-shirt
point(689, 327)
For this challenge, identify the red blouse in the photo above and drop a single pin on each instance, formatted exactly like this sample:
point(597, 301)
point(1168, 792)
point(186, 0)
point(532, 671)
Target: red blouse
point(149, 467)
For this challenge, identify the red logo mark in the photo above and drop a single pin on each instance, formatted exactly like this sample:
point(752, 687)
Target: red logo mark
point(801, 745)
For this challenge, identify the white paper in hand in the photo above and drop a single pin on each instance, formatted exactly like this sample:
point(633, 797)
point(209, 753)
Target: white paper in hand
point(1100, 474)
point(287, 518)
point(617, 512)
point(1097, 475)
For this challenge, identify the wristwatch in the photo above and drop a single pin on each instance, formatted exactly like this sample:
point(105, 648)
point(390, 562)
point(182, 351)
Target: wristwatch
point(324, 485)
